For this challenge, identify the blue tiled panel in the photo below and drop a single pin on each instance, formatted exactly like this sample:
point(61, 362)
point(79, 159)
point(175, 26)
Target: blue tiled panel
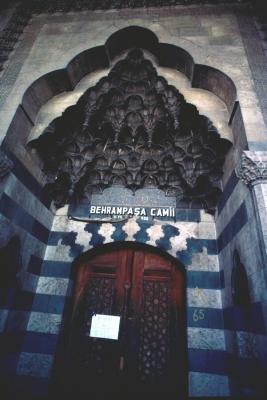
point(96, 239)
point(23, 300)
point(142, 235)
point(187, 215)
point(70, 240)
point(196, 246)
point(169, 231)
point(249, 373)
point(193, 215)
point(7, 297)
point(212, 318)
point(238, 220)
point(37, 387)
point(55, 237)
point(209, 361)
point(119, 234)
point(35, 265)
point(10, 342)
point(181, 214)
point(57, 269)
point(205, 280)
point(8, 363)
point(13, 211)
point(251, 319)
point(36, 342)
point(17, 320)
point(48, 303)
point(228, 190)
point(40, 231)
point(25, 177)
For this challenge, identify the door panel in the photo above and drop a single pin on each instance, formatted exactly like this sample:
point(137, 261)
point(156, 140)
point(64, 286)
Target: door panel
point(146, 290)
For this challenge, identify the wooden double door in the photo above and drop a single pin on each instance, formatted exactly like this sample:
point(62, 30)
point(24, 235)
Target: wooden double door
point(147, 291)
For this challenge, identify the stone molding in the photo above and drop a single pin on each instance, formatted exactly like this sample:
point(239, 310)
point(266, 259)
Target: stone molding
point(12, 31)
point(24, 10)
point(6, 165)
point(252, 167)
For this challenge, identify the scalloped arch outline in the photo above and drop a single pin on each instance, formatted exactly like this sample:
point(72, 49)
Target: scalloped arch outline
point(168, 55)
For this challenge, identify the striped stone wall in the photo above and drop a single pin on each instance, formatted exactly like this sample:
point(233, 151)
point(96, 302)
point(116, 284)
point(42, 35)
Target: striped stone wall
point(226, 347)
point(24, 214)
point(221, 339)
point(193, 242)
point(239, 228)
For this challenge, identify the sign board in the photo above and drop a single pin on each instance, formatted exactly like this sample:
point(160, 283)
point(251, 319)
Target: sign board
point(125, 211)
point(105, 326)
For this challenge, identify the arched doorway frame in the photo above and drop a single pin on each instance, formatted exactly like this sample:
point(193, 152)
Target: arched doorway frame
point(169, 55)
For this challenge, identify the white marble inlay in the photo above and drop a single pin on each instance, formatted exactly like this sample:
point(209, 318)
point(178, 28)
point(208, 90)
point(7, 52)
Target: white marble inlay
point(131, 228)
point(106, 230)
point(58, 253)
point(205, 338)
point(206, 217)
point(52, 285)
point(198, 297)
point(203, 384)
point(62, 252)
point(204, 262)
point(206, 230)
point(35, 364)
point(186, 230)
point(155, 232)
point(248, 346)
point(43, 322)
point(63, 224)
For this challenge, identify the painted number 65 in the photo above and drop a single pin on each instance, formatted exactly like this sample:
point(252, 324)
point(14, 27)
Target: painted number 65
point(198, 315)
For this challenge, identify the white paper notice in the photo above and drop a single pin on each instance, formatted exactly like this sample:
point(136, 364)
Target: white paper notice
point(105, 326)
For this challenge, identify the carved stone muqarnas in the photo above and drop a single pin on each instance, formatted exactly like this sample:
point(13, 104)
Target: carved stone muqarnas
point(252, 167)
point(133, 129)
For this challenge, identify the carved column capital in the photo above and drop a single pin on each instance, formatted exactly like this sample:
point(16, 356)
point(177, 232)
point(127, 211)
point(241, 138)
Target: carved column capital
point(6, 165)
point(252, 167)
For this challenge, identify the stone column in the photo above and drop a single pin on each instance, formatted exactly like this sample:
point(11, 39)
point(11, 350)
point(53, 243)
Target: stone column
point(252, 170)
